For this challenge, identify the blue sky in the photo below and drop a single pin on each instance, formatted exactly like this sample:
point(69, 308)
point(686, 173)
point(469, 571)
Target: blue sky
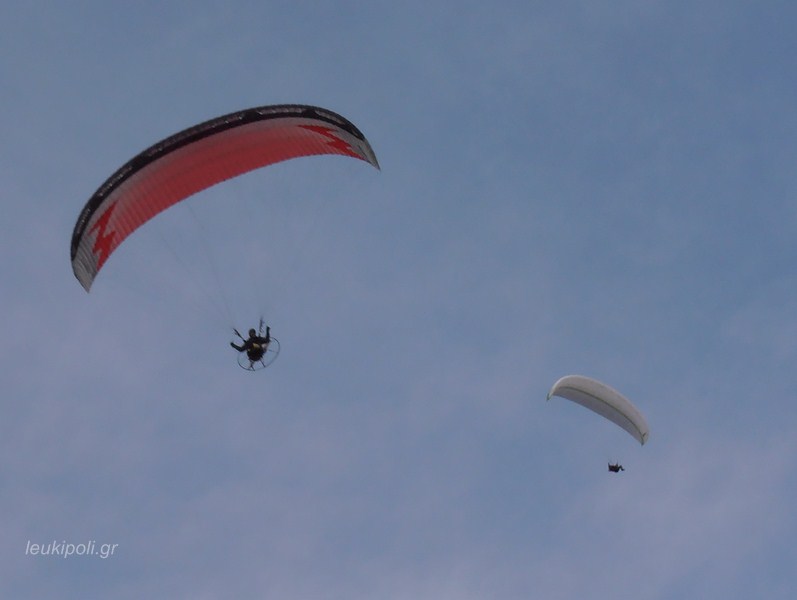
point(603, 188)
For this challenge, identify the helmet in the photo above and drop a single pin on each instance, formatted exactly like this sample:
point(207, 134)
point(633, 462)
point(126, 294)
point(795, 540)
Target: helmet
point(252, 333)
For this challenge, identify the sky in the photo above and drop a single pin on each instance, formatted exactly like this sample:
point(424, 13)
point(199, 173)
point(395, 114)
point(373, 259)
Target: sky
point(602, 188)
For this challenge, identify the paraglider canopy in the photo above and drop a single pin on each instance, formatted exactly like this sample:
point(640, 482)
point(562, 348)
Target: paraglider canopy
point(197, 158)
point(605, 401)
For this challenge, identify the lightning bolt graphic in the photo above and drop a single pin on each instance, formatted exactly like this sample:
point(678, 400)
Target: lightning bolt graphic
point(103, 240)
point(334, 141)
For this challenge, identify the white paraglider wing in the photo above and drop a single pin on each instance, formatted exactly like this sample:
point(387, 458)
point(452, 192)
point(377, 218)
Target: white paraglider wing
point(605, 401)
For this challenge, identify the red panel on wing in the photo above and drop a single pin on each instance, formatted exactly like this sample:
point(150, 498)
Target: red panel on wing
point(205, 163)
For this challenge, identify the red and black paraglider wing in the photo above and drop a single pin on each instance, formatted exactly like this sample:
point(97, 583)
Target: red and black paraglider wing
point(197, 158)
